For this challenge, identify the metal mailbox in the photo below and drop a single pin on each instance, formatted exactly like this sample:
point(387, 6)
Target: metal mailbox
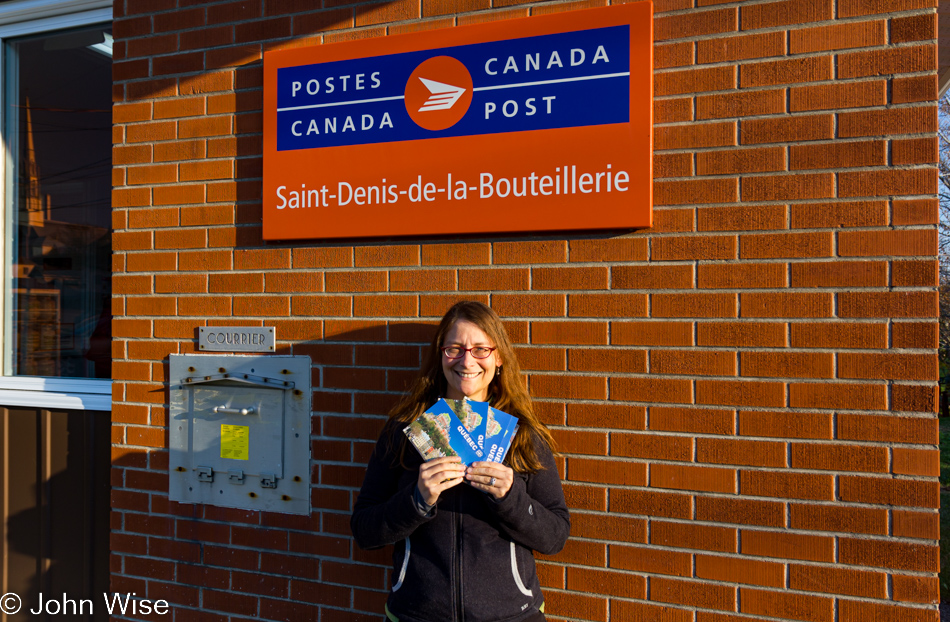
point(239, 432)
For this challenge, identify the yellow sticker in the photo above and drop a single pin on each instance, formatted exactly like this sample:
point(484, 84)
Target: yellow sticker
point(234, 441)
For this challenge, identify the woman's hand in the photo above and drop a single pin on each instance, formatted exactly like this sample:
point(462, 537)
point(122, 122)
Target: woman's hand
point(438, 475)
point(491, 477)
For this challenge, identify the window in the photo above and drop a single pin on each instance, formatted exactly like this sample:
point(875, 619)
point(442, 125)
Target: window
point(56, 238)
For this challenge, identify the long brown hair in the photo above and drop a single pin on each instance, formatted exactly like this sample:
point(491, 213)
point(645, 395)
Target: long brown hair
point(506, 391)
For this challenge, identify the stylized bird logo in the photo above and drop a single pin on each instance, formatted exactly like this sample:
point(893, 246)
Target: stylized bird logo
point(443, 96)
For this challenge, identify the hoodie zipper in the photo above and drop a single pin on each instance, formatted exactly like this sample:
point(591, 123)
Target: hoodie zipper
point(458, 559)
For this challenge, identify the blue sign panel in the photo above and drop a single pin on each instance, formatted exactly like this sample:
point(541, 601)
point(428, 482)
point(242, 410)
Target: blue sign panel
point(534, 83)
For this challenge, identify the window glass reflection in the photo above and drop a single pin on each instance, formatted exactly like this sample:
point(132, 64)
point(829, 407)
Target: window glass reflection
point(57, 118)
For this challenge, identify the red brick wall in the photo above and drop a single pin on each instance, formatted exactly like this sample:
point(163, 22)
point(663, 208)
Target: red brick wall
point(744, 395)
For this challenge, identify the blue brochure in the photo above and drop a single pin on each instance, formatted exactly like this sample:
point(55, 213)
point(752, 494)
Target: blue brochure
point(438, 432)
point(501, 429)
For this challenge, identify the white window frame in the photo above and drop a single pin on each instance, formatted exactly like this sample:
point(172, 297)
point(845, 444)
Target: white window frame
point(17, 19)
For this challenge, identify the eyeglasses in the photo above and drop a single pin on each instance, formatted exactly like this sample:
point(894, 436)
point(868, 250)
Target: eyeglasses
point(456, 352)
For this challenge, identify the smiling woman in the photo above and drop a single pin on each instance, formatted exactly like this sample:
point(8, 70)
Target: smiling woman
point(479, 524)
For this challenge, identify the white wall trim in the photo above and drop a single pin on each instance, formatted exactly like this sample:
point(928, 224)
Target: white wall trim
point(57, 401)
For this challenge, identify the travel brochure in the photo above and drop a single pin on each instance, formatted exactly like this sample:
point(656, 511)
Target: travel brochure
point(468, 429)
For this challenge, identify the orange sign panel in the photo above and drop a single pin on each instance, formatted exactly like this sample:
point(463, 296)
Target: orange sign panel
point(537, 124)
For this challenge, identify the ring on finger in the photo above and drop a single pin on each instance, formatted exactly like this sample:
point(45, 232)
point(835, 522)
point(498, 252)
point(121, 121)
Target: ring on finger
point(491, 482)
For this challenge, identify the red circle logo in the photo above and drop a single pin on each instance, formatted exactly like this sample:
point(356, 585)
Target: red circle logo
point(438, 93)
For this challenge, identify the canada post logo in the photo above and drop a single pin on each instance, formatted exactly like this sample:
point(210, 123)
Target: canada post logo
point(552, 81)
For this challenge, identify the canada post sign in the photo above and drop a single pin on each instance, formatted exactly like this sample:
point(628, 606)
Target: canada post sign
point(536, 124)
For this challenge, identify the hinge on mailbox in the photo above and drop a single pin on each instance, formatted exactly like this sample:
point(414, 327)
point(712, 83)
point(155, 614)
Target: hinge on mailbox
point(236, 476)
point(205, 474)
point(268, 480)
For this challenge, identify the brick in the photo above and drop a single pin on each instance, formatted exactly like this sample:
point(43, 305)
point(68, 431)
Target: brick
point(837, 37)
point(915, 120)
point(386, 256)
point(695, 136)
point(740, 511)
point(837, 581)
point(913, 89)
point(855, 610)
point(916, 589)
point(571, 333)
point(839, 518)
point(694, 305)
point(692, 420)
point(838, 395)
point(692, 363)
point(888, 182)
point(609, 527)
point(901, 242)
point(589, 580)
point(530, 252)
point(809, 69)
point(788, 364)
point(837, 155)
point(788, 604)
point(914, 398)
point(693, 593)
point(607, 305)
point(915, 212)
point(672, 165)
point(575, 387)
point(615, 249)
point(782, 245)
point(650, 560)
point(788, 187)
point(741, 218)
point(838, 335)
point(839, 274)
point(887, 491)
point(651, 446)
point(916, 430)
point(907, 524)
point(914, 28)
point(914, 151)
point(923, 462)
point(616, 416)
point(455, 254)
point(740, 452)
point(738, 570)
point(741, 334)
point(693, 248)
point(529, 305)
point(569, 278)
point(651, 277)
point(612, 360)
point(805, 305)
point(887, 61)
point(737, 161)
point(607, 472)
point(914, 335)
point(497, 279)
point(673, 55)
point(651, 333)
point(740, 104)
point(723, 49)
point(792, 129)
point(740, 393)
point(887, 554)
point(888, 366)
point(663, 390)
point(672, 111)
point(785, 425)
point(694, 81)
point(695, 24)
point(688, 192)
point(785, 545)
point(787, 485)
point(692, 536)
point(887, 304)
point(785, 13)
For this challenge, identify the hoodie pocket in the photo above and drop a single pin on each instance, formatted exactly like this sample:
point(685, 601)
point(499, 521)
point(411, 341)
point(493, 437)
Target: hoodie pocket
point(405, 564)
point(516, 573)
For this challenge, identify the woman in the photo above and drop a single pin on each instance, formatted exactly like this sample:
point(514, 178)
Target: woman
point(465, 535)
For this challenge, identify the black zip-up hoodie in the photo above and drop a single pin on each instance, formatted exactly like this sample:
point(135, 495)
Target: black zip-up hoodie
point(470, 559)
